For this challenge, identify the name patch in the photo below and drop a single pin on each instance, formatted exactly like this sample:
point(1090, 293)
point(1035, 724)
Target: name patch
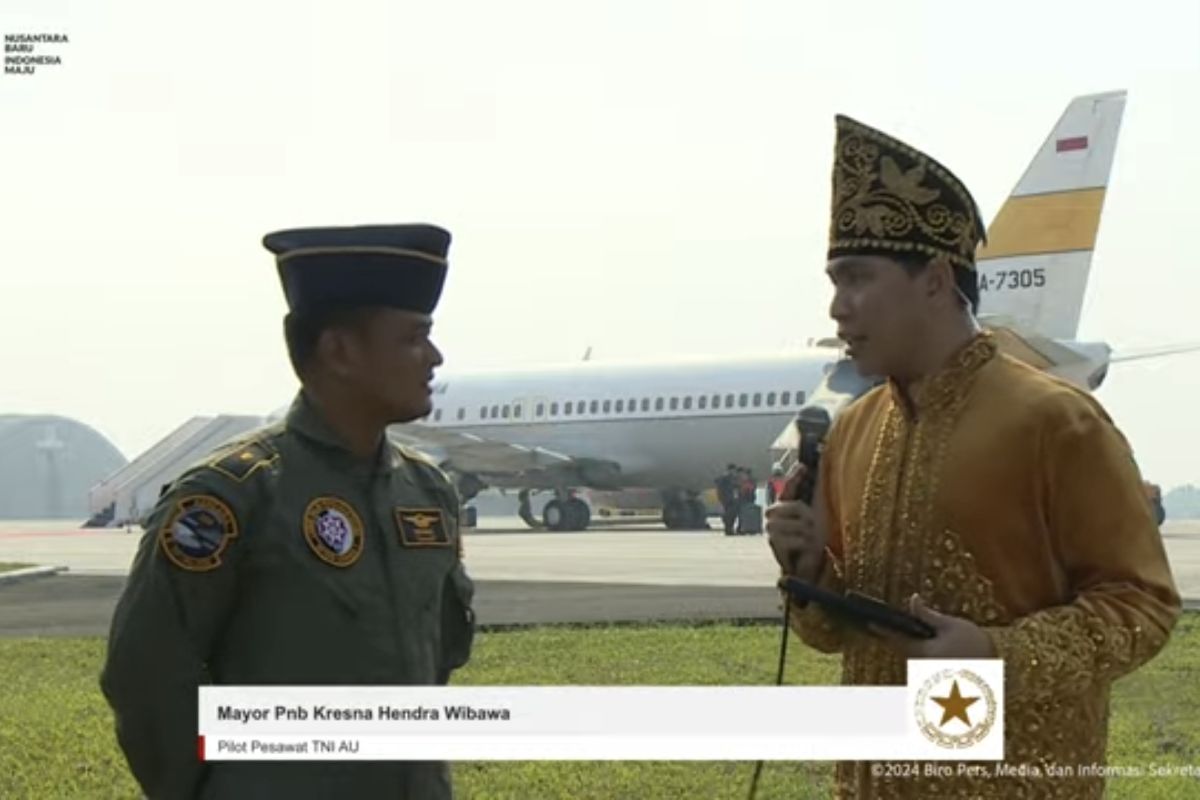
point(422, 527)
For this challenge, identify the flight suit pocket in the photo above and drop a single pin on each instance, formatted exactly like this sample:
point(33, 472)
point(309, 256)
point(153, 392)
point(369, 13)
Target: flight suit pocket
point(458, 622)
point(317, 580)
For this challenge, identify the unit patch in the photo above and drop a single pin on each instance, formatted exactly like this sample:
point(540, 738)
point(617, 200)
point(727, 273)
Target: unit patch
point(333, 531)
point(422, 527)
point(241, 462)
point(198, 532)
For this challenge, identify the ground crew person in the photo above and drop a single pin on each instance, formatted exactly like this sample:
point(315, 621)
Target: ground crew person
point(775, 484)
point(310, 552)
point(727, 495)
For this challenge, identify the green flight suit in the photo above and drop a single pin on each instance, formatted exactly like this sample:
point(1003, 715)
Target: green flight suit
point(283, 559)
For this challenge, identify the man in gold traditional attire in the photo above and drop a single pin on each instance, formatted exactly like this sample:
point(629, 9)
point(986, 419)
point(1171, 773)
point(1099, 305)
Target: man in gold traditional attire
point(994, 501)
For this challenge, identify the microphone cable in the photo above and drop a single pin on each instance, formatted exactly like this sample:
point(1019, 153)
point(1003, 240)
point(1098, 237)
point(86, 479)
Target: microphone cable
point(783, 643)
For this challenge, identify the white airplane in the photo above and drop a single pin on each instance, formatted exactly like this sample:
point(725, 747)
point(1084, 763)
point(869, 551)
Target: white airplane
point(674, 425)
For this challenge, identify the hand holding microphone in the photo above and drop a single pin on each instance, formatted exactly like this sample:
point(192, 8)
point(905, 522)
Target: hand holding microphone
point(792, 529)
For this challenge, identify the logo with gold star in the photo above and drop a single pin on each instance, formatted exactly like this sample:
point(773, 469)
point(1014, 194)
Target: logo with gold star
point(956, 708)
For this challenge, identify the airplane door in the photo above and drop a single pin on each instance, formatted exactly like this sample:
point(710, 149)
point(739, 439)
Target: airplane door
point(534, 408)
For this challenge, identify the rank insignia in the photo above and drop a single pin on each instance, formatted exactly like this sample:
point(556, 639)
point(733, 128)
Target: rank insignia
point(198, 532)
point(334, 531)
point(239, 463)
point(422, 527)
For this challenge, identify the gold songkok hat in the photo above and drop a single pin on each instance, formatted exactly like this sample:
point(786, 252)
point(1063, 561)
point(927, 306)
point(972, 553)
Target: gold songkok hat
point(891, 199)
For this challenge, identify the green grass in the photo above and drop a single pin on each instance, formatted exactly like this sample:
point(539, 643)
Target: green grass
point(8, 566)
point(56, 732)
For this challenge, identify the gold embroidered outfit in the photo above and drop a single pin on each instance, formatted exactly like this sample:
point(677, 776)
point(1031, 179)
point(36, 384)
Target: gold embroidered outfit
point(1000, 494)
point(1006, 497)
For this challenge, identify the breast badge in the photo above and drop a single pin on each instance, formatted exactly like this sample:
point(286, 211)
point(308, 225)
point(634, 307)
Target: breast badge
point(198, 532)
point(422, 527)
point(333, 531)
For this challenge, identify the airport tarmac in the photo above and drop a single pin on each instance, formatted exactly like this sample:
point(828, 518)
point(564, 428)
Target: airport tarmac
point(502, 549)
point(631, 573)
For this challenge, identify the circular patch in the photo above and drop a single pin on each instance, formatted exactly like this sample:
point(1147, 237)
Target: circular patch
point(198, 532)
point(956, 709)
point(333, 531)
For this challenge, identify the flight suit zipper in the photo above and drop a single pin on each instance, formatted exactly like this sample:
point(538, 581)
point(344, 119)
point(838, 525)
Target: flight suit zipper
point(385, 561)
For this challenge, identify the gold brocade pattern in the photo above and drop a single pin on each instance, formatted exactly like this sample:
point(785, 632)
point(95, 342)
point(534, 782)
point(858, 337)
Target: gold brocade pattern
point(900, 546)
point(1067, 645)
point(815, 627)
point(891, 197)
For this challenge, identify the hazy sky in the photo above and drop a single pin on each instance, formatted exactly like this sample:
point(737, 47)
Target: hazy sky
point(647, 178)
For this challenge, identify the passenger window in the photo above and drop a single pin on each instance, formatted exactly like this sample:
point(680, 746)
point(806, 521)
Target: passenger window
point(437, 415)
point(595, 408)
point(703, 402)
point(462, 414)
point(645, 404)
point(504, 412)
point(620, 406)
point(687, 404)
point(743, 400)
point(607, 406)
point(757, 399)
point(729, 401)
point(658, 404)
point(771, 399)
point(554, 409)
point(786, 399)
point(541, 409)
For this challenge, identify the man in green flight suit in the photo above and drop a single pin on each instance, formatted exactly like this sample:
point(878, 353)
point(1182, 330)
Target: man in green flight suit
point(313, 551)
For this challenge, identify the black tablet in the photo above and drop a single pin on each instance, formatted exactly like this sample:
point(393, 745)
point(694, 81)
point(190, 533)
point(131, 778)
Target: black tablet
point(858, 609)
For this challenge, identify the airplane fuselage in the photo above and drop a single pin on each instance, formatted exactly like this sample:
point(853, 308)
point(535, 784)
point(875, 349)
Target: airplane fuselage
point(669, 424)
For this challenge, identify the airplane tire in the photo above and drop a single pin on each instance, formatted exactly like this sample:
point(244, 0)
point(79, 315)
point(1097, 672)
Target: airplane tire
point(555, 517)
point(675, 515)
point(578, 515)
point(697, 514)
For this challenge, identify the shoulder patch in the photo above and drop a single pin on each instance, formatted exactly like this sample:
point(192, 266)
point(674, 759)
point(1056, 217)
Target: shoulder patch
point(198, 530)
point(243, 460)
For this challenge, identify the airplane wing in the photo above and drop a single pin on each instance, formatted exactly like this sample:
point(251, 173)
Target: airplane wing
point(1154, 352)
point(501, 463)
point(1083, 363)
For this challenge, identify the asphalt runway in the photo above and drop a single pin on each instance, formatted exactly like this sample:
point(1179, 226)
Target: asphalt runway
point(634, 573)
point(83, 606)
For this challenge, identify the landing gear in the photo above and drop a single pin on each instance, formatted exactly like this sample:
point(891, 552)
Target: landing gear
point(468, 486)
point(684, 513)
point(566, 514)
point(524, 511)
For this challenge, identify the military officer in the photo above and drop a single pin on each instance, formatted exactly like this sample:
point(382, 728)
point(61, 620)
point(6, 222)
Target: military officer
point(313, 551)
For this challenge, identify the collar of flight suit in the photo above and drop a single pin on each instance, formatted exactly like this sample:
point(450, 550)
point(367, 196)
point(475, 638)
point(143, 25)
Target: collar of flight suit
point(305, 419)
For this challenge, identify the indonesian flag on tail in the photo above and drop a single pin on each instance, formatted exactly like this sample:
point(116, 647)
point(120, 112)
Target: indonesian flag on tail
point(1073, 143)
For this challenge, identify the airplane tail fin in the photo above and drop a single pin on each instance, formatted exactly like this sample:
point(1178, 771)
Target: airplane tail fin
point(1034, 269)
